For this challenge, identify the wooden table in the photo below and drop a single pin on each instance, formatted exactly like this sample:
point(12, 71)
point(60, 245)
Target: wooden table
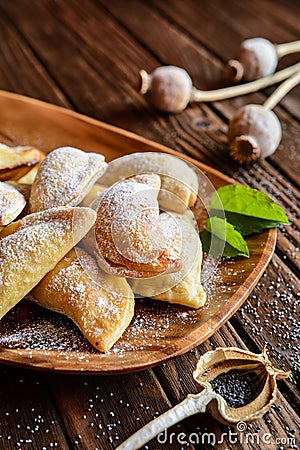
point(85, 55)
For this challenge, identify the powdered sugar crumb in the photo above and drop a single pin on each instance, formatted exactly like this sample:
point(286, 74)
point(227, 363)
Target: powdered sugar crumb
point(50, 332)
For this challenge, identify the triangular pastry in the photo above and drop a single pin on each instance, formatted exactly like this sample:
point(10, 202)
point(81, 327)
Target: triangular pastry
point(129, 239)
point(179, 182)
point(183, 287)
point(12, 203)
point(101, 305)
point(32, 246)
point(64, 178)
point(15, 162)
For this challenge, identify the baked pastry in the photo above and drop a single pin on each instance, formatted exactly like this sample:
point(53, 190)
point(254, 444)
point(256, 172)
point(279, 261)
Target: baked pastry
point(92, 195)
point(15, 162)
point(64, 178)
point(183, 287)
point(31, 247)
point(129, 241)
point(25, 190)
point(12, 202)
point(29, 177)
point(101, 305)
point(179, 182)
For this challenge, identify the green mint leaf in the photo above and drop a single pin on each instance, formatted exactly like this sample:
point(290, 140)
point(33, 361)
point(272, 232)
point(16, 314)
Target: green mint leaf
point(217, 249)
point(248, 202)
point(223, 232)
point(245, 224)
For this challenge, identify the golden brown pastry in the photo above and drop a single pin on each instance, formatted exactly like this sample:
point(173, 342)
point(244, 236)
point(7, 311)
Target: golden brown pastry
point(31, 247)
point(93, 195)
point(23, 188)
point(15, 162)
point(64, 178)
point(179, 182)
point(29, 177)
point(128, 237)
point(12, 202)
point(101, 305)
point(183, 287)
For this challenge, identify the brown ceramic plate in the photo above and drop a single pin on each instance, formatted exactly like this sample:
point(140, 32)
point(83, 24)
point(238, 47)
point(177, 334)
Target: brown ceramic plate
point(31, 336)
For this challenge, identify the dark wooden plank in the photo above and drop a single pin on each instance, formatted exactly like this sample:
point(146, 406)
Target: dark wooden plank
point(288, 236)
point(181, 132)
point(250, 21)
point(286, 13)
point(92, 84)
point(28, 416)
point(270, 317)
point(186, 126)
point(254, 21)
point(187, 54)
point(109, 409)
point(271, 314)
point(108, 29)
point(112, 104)
point(180, 123)
point(21, 71)
point(122, 52)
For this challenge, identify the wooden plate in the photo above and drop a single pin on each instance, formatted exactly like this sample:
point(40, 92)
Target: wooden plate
point(31, 336)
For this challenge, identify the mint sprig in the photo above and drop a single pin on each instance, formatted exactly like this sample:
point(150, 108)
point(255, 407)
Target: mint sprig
point(220, 238)
point(249, 210)
point(246, 225)
point(246, 211)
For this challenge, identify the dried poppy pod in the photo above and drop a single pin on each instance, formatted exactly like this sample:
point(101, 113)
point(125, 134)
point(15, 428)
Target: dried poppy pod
point(254, 131)
point(258, 57)
point(215, 369)
point(170, 88)
point(211, 367)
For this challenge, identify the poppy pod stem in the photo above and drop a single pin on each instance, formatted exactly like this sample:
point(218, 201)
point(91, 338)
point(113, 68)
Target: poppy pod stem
point(282, 91)
point(243, 89)
point(287, 48)
point(193, 404)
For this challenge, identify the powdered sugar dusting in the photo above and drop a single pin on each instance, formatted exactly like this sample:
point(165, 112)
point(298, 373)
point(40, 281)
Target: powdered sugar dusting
point(12, 202)
point(35, 246)
point(177, 177)
point(127, 228)
point(64, 178)
point(101, 305)
point(155, 326)
point(39, 239)
point(45, 332)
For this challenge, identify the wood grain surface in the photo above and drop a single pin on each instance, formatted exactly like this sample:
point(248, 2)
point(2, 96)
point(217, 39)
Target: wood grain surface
point(86, 56)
